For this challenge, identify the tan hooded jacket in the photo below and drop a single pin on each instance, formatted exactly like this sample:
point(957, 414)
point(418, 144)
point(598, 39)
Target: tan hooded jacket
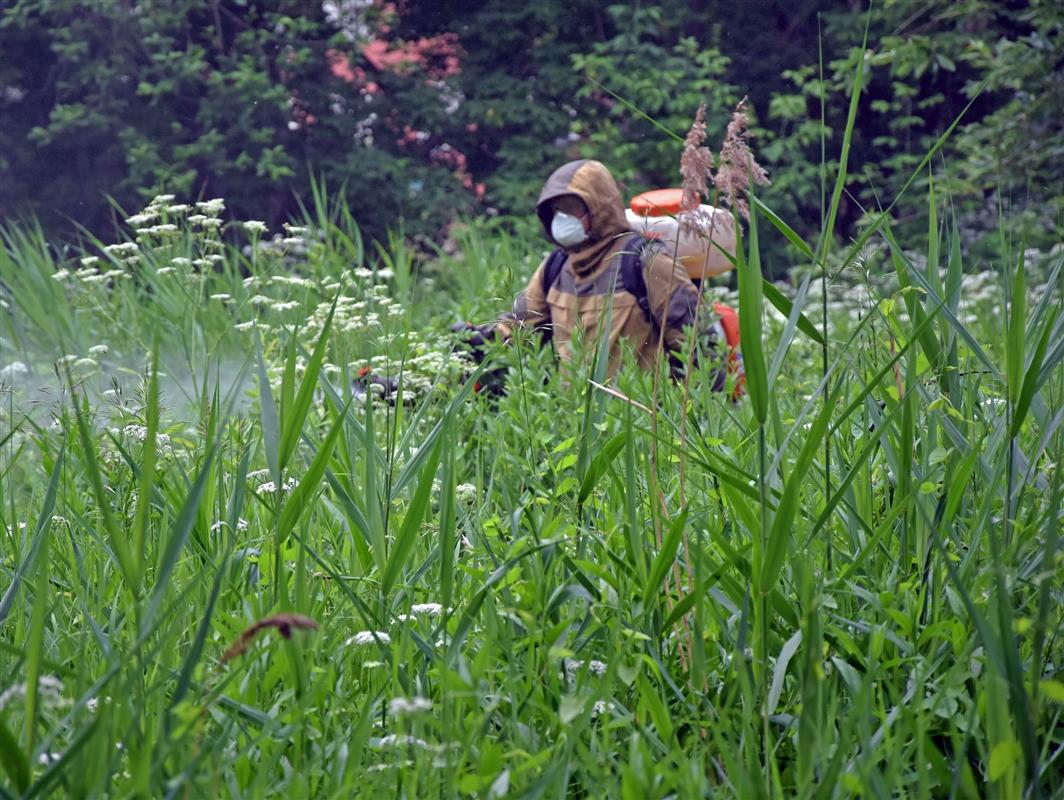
point(590, 280)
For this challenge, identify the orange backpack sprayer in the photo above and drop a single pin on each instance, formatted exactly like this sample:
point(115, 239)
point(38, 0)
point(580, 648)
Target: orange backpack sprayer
point(653, 216)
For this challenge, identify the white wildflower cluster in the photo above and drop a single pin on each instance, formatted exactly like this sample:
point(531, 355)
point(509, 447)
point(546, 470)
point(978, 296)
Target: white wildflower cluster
point(160, 231)
point(49, 693)
point(366, 638)
point(426, 609)
point(122, 249)
point(13, 371)
point(399, 740)
point(290, 247)
point(573, 667)
point(139, 433)
point(93, 703)
point(211, 208)
point(254, 227)
point(241, 525)
point(429, 610)
point(89, 272)
point(269, 487)
point(409, 706)
point(602, 707)
point(292, 280)
point(466, 493)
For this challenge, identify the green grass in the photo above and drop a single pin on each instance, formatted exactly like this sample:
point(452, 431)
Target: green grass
point(574, 622)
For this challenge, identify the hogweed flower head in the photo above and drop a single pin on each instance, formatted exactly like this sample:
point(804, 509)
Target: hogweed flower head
point(426, 609)
point(738, 167)
point(408, 706)
point(211, 207)
point(365, 638)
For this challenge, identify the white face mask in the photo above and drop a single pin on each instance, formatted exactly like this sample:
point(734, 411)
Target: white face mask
point(567, 230)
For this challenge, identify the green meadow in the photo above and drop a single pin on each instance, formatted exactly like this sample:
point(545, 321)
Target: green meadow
point(225, 573)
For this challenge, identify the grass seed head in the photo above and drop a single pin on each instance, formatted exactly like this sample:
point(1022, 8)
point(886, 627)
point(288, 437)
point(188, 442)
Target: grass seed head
point(738, 167)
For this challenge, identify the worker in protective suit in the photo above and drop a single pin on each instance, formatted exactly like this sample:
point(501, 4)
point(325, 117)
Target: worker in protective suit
point(602, 279)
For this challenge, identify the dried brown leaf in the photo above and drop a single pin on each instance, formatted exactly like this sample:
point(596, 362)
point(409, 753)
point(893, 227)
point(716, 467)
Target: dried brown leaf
point(284, 623)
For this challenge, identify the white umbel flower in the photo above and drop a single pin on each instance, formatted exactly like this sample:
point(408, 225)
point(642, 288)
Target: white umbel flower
point(364, 638)
point(408, 706)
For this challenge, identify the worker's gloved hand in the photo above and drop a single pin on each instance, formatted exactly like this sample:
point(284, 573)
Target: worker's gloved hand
point(476, 336)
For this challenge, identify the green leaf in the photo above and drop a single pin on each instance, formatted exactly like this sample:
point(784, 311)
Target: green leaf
point(295, 415)
point(119, 545)
point(779, 672)
point(600, 463)
point(271, 426)
point(665, 557)
point(179, 532)
point(1030, 380)
point(297, 503)
point(448, 525)
point(1016, 331)
point(44, 519)
point(571, 707)
point(783, 228)
point(784, 305)
point(750, 324)
point(415, 513)
point(777, 547)
point(1003, 757)
point(1053, 690)
point(827, 233)
point(13, 759)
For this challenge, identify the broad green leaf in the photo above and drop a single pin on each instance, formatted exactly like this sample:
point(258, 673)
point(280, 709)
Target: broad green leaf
point(1003, 757)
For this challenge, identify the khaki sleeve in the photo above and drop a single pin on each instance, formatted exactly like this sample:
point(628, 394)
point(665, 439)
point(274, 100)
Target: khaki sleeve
point(530, 309)
point(673, 298)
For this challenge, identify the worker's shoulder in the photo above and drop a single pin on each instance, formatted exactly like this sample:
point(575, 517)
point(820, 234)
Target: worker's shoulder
point(659, 265)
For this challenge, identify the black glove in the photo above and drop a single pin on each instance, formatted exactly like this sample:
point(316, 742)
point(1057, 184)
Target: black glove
point(476, 337)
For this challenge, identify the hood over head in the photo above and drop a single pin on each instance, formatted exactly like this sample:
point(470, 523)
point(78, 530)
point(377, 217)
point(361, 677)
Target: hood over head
point(595, 186)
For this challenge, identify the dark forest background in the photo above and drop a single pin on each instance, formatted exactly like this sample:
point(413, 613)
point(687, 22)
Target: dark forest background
point(428, 112)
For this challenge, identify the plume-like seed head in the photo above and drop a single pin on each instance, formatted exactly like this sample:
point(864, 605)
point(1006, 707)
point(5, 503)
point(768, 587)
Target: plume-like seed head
point(738, 167)
point(696, 163)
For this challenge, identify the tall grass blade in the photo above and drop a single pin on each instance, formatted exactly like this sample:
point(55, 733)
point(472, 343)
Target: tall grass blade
point(271, 426)
point(180, 531)
point(299, 501)
point(751, 310)
point(663, 560)
point(408, 531)
point(786, 511)
point(117, 541)
point(14, 761)
point(40, 532)
point(35, 644)
point(1029, 385)
point(295, 415)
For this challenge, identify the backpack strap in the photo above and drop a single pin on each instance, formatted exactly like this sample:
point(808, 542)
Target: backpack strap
point(632, 273)
point(551, 270)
